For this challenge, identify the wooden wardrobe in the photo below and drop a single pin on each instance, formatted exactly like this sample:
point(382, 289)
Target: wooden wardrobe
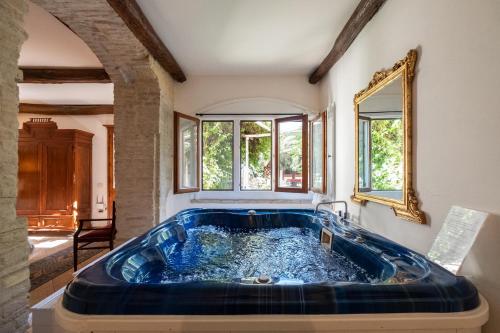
point(55, 175)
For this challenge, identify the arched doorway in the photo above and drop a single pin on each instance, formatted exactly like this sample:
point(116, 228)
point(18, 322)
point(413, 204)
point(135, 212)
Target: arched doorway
point(143, 111)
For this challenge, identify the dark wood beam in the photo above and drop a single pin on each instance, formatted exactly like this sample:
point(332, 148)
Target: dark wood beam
point(134, 18)
point(363, 13)
point(65, 110)
point(64, 75)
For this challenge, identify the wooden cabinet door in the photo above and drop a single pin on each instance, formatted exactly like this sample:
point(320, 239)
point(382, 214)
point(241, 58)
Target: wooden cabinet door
point(28, 188)
point(83, 180)
point(57, 179)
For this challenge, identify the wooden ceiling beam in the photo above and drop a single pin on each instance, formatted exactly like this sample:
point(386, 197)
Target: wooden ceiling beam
point(136, 21)
point(64, 75)
point(65, 109)
point(363, 13)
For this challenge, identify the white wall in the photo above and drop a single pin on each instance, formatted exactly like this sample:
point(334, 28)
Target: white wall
point(92, 124)
point(200, 92)
point(236, 94)
point(66, 93)
point(456, 116)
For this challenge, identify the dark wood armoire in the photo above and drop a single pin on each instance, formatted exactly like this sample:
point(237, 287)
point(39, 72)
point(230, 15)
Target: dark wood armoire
point(55, 175)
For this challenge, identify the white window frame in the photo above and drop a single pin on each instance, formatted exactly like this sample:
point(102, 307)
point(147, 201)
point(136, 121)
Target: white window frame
point(237, 193)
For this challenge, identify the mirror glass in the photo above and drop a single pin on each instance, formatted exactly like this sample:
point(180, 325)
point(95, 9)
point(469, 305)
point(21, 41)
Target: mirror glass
point(381, 142)
point(188, 142)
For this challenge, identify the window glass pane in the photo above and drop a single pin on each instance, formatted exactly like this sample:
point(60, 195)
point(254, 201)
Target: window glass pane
point(290, 154)
point(317, 154)
point(188, 142)
point(217, 155)
point(255, 155)
point(386, 154)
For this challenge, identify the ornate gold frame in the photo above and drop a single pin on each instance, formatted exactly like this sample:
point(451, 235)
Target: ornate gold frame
point(407, 208)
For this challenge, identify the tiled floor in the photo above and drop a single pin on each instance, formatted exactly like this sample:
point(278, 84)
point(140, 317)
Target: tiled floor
point(46, 244)
point(60, 281)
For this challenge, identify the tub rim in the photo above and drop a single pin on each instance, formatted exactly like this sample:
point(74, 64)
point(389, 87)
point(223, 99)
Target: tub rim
point(378, 322)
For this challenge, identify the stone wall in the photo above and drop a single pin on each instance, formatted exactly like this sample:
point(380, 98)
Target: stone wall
point(165, 149)
point(14, 272)
point(143, 101)
point(143, 94)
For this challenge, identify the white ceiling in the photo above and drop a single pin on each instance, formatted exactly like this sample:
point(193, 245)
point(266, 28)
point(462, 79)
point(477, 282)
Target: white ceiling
point(248, 37)
point(51, 44)
point(390, 98)
point(216, 37)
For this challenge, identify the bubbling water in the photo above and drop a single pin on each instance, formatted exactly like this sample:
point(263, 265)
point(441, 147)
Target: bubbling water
point(220, 254)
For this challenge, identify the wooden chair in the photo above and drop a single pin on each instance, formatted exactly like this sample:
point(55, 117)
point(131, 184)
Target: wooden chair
point(88, 234)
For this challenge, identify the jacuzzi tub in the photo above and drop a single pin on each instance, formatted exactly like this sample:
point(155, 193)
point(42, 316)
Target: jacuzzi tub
point(164, 271)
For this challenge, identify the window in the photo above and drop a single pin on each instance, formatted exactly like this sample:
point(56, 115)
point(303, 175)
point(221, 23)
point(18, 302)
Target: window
point(387, 154)
point(291, 154)
point(211, 151)
point(186, 153)
point(364, 154)
point(380, 153)
point(217, 145)
point(318, 153)
point(255, 155)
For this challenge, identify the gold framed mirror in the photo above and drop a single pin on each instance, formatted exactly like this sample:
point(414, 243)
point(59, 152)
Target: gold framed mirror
point(383, 137)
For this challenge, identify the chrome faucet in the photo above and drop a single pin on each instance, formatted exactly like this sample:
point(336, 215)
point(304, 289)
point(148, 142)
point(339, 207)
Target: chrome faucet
point(332, 202)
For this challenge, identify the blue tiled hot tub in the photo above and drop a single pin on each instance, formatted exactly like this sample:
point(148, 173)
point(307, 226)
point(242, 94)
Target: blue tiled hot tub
point(217, 261)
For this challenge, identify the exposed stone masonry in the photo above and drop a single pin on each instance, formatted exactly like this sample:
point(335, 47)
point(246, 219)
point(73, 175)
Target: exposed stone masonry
point(14, 272)
point(143, 95)
point(143, 101)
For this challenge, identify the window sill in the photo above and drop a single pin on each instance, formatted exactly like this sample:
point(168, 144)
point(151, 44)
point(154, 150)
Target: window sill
point(253, 201)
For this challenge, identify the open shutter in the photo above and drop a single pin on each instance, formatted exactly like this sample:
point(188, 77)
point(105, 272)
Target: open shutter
point(317, 153)
point(186, 153)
